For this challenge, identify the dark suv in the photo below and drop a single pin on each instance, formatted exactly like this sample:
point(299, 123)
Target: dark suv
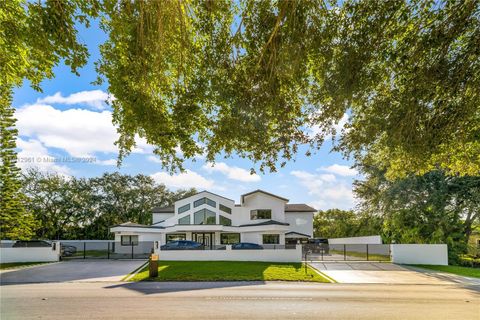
point(246, 246)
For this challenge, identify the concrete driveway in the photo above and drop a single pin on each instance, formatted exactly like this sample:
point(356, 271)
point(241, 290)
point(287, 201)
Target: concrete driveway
point(387, 273)
point(73, 271)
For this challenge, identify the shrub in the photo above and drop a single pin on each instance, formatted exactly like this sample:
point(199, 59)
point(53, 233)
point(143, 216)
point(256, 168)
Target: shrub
point(469, 261)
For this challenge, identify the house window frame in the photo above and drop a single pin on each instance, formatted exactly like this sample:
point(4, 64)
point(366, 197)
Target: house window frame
point(225, 208)
point(271, 234)
point(204, 211)
point(204, 200)
point(183, 208)
point(230, 233)
point(182, 235)
point(220, 217)
point(189, 220)
point(130, 241)
point(254, 214)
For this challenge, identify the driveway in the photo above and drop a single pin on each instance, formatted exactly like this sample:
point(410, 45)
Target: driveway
point(387, 273)
point(77, 271)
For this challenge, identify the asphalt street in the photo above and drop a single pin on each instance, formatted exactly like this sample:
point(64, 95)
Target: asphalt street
point(237, 300)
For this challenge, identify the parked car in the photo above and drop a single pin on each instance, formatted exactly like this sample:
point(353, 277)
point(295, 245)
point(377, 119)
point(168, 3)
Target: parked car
point(246, 246)
point(317, 245)
point(68, 250)
point(182, 245)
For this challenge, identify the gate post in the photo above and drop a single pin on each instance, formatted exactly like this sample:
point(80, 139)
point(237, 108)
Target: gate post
point(84, 249)
point(132, 249)
point(345, 252)
point(108, 250)
point(367, 251)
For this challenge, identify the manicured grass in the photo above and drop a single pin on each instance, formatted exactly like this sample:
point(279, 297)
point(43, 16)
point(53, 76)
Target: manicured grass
point(461, 271)
point(230, 271)
point(12, 265)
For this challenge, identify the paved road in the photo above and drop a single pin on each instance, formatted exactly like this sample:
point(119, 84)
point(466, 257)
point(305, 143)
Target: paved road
point(77, 270)
point(388, 273)
point(237, 300)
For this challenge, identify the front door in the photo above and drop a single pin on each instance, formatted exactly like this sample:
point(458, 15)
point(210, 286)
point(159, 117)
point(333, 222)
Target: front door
point(204, 238)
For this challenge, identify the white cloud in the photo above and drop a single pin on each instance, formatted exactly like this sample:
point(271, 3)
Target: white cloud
point(340, 170)
point(232, 172)
point(108, 162)
point(154, 159)
point(187, 179)
point(93, 98)
point(327, 190)
point(33, 154)
point(79, 132)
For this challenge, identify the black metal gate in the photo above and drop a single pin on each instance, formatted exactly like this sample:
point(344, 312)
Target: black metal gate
point(346, 252)
point(90, 249)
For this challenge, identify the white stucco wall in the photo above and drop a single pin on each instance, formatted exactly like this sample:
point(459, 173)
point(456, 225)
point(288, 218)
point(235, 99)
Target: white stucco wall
point(260, 201)
point(434, 254)
point(42, 254)
point(357, 240)
point(301, 222)
point(157, 217)
point(278, 255)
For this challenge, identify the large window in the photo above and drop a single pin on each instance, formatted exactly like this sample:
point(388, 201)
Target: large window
point(184, 220)
point(225, 221)
point(225, 209)
point(175, 237)
point(204, 216)
point(271, 239)
point(260, 214)
point(184, 208)
point(129, 240)
point(229, 238)
point(201, 201)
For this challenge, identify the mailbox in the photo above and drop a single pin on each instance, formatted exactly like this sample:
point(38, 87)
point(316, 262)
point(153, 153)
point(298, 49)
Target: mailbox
point(153, 266)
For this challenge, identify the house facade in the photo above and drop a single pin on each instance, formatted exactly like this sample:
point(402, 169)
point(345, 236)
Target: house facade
point(260, 217)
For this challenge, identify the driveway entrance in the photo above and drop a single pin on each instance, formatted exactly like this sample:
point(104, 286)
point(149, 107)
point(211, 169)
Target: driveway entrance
point(73, 271)
point(386, 273)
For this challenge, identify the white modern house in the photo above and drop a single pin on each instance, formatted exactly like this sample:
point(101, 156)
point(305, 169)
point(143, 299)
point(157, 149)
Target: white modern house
point(260, 217)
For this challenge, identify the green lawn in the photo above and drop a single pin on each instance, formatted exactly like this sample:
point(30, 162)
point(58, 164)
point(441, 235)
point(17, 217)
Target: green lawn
point(12, 265)
point(461, 271)
point(230, 271)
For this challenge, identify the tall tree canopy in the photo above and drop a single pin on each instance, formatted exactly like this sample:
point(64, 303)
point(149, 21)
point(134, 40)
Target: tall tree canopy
point(79, 208)
point(34, 38)
point(431, 208)
point(251, 76)
point(336, 223)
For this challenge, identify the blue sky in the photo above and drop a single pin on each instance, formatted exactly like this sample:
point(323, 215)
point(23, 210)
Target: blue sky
point(69, 121)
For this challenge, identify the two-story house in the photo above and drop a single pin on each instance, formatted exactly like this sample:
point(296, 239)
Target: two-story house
point(211, 219)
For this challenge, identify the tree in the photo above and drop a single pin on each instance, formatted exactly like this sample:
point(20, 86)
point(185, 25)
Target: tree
point(251, 76)
point(336, 223)
point(432, 208)
point(15, 221)
point(34, 38)
point(81, 208)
